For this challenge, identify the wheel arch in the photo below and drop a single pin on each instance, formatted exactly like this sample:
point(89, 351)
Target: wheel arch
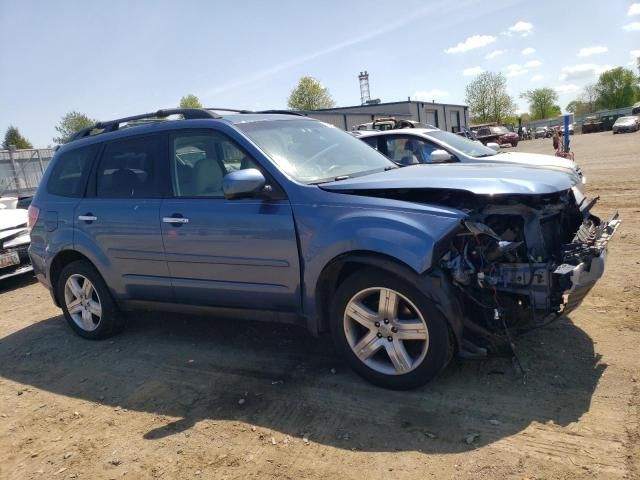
point(433, 283)
point(61, 260)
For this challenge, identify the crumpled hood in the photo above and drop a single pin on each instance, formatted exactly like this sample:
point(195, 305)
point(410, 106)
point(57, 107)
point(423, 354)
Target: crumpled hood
point(480, 179)
point(536, 159)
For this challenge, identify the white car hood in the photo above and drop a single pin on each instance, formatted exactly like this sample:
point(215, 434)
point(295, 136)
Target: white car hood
point(536, 159)
point(13, 218)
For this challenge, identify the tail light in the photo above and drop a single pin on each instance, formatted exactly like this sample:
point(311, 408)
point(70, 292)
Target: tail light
point(33, 214)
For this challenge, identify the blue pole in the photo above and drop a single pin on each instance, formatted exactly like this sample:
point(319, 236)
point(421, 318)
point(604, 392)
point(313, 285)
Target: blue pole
point(566, 132)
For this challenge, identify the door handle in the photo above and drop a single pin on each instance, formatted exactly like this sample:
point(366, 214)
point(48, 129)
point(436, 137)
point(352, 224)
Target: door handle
point(175, 220)
point(87, 218)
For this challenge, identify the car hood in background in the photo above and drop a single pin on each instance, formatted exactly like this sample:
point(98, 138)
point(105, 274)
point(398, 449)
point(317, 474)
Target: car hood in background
point(13, 218)
point(535, 159)
point(485, 179)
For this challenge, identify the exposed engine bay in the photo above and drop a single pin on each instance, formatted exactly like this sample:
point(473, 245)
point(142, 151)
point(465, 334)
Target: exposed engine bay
point(520, 261)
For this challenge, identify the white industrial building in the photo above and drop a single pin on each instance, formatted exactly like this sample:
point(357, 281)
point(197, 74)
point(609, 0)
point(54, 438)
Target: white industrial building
point(444, 116)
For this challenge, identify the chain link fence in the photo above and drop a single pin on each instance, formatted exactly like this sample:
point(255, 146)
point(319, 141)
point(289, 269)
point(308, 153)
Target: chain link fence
point(22, 170)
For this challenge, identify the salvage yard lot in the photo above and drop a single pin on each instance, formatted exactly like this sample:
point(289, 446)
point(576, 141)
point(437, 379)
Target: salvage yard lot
point(187, 397)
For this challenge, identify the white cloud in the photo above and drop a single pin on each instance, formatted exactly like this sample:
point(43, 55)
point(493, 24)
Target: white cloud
point(632, 27)
point(533, 63)
point(588, 51)
point(634, 9)
point(528, 51)
point(428, 95)
point(567, 88)
point(472, 71)
point(476, 41)
point(537, 78)
point(582, 70)
point(515, 70)
point(523, 28)
point(635, 53)
point(494, 54)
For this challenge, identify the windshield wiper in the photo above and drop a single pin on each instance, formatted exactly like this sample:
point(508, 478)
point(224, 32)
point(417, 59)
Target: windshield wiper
point(329, 180)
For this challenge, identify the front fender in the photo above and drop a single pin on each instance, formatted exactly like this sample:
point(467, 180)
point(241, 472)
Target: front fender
point(328, 232)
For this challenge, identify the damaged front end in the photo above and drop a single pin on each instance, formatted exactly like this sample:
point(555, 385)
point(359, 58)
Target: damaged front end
point(520, 261)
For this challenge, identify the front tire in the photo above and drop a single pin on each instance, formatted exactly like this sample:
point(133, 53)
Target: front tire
point(388, 331)
point(86, 302)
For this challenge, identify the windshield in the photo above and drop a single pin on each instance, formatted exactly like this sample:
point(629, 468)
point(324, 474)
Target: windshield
point(468, 147)
point(312, 151)
point(626, 120)
point(499, 130)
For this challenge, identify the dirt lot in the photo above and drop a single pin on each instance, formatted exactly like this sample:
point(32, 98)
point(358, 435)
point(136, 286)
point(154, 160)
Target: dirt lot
point(183, 397)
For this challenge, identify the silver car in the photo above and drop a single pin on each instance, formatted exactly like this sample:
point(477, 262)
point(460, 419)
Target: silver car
point(432, 145)
point(626, 124)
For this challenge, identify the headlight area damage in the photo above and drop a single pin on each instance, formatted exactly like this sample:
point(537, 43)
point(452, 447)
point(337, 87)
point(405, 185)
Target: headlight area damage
point(520, 261)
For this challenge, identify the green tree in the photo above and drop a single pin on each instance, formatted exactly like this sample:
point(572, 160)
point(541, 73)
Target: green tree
point(617, 88)
point(576, 107)
point(589, 98)
point(310, 94)
point(70, 124)
point(488, 99)
point(190, 101)
point(13, 137)
point(542, 103)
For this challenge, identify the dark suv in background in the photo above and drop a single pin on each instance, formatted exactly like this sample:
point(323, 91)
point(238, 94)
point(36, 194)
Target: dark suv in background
point(497, 134)
point(284, 218)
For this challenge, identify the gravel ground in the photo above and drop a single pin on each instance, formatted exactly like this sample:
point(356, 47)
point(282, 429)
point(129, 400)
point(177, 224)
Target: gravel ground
point(188, 397)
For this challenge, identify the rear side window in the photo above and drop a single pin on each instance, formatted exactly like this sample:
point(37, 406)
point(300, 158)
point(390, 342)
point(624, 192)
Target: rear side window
point(70, 170)
point(371, 141)
point(129, 169)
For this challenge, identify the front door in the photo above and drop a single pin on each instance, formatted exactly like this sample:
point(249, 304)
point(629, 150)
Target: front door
point(118, 222)
point(229, 253)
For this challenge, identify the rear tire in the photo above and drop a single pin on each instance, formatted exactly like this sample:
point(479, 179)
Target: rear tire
point(388, 331)
point(86, 302)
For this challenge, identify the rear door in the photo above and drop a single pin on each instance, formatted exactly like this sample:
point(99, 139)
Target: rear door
point(230, 253)
point(118, 222)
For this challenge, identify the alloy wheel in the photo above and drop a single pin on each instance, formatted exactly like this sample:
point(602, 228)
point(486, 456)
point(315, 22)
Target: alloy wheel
point(386, 331)
point(83, 302)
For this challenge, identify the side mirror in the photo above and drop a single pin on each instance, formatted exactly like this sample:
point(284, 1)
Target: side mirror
point(243, 183)
point(494, 146)
point(439, 156)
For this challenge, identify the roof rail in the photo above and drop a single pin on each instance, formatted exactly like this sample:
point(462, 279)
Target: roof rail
point(235, 110)
point(112, 125)
point(187, 114)
point(282, 112)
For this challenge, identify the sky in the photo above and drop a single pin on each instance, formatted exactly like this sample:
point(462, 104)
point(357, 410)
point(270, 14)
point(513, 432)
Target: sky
point(119, 58)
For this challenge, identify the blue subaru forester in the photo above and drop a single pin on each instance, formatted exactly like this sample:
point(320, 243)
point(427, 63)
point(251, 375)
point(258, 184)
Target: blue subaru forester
point(280, 217)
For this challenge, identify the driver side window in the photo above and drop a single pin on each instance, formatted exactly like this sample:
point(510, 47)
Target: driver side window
point(200, 160)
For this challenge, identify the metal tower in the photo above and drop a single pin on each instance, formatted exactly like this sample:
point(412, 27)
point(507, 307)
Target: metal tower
point(365, 96)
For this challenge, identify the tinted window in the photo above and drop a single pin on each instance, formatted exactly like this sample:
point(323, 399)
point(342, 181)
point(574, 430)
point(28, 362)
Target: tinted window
point(200, 160)
point(70, 169)
point(371, 141)
point(129, 169)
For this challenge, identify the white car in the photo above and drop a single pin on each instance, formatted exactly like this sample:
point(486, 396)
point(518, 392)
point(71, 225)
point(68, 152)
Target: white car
point(14, 239)
point(626, 124)
point(424, 145)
